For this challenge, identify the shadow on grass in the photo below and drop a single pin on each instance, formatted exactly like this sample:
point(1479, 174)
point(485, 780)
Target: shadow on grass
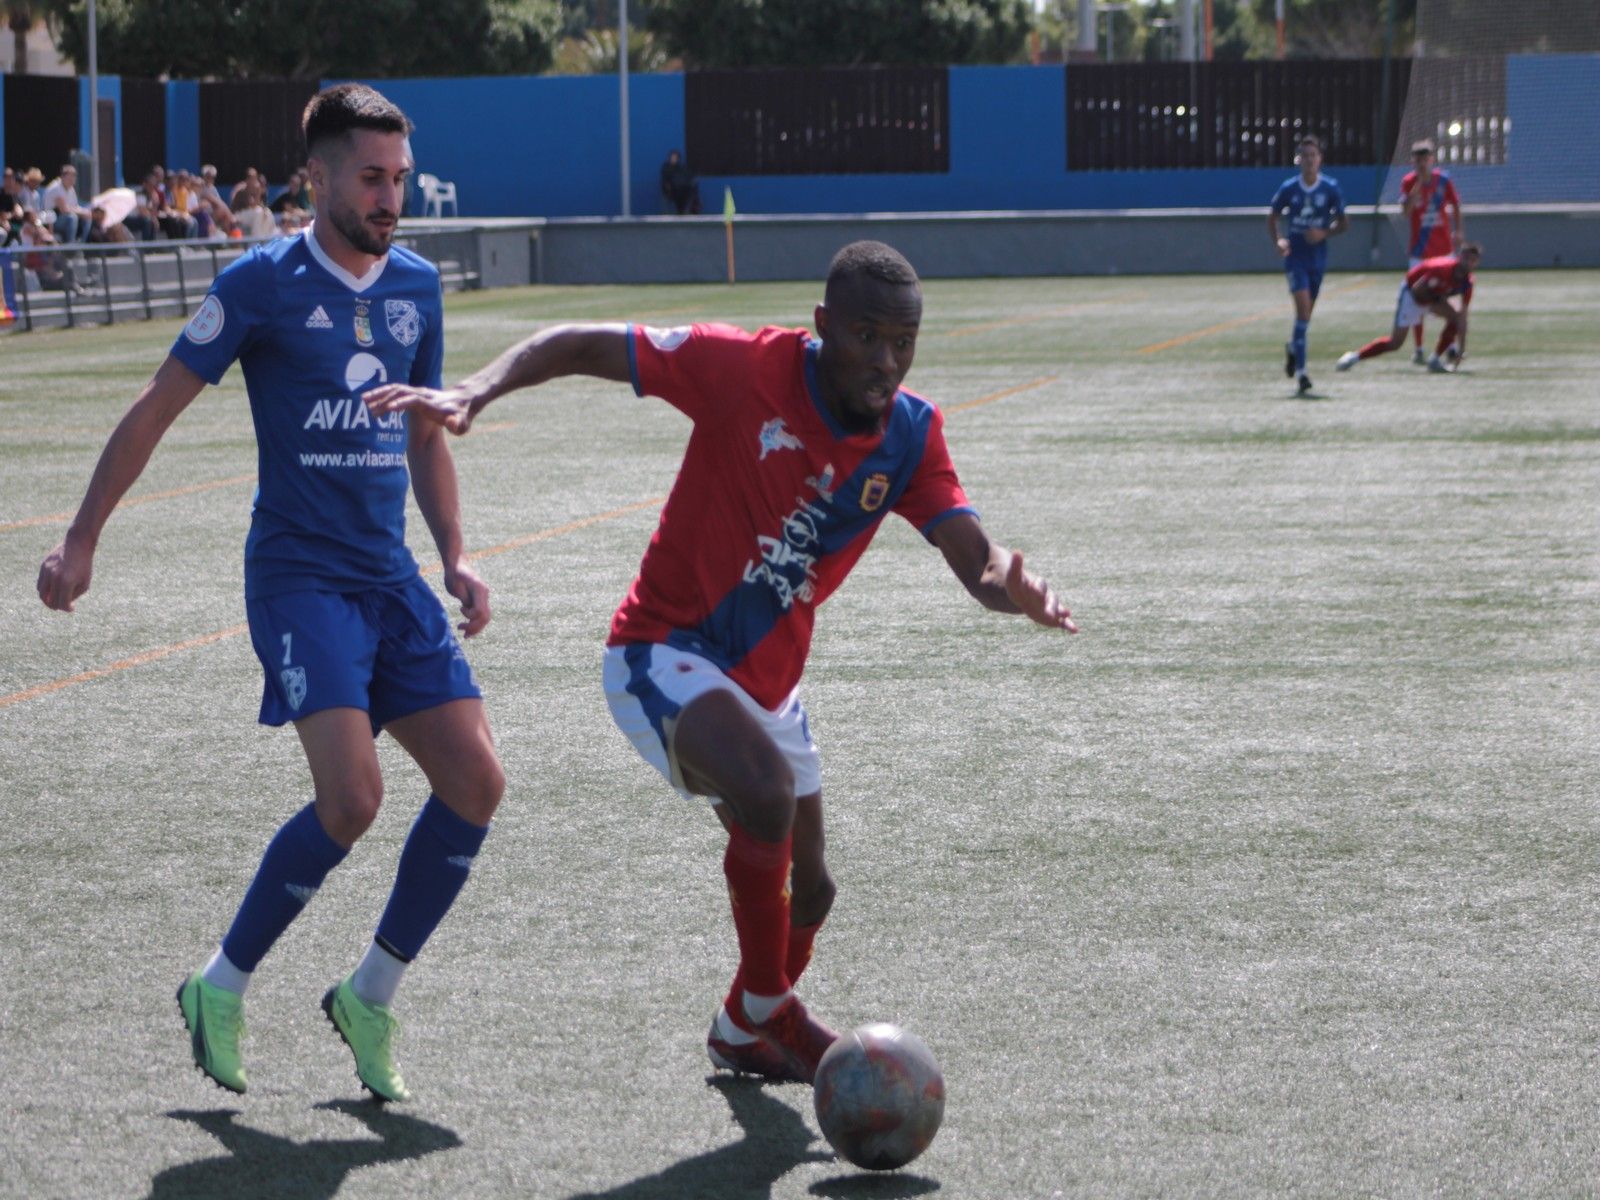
point(776, 1140)
point(265, 1165)
point(870, 1185)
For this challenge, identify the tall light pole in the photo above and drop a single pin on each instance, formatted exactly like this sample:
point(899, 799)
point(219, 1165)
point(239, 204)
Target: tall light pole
point(94, 106)
point(622, 81)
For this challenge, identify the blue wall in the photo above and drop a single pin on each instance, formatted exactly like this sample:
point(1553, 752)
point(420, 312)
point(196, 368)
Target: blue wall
point(548, 146)
point(544, 146)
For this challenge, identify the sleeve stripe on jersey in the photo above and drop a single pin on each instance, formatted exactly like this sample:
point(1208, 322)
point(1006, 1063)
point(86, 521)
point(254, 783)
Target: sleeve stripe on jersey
point(633, 361)
point(927, 530)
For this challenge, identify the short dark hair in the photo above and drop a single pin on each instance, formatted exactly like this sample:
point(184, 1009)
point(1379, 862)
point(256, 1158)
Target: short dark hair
point(1472, 248)
point(1308, 139)
point(336, 111)
point(876, 260)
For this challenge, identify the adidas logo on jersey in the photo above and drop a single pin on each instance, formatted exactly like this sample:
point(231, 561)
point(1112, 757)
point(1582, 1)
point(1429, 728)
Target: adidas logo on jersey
point(319, 319)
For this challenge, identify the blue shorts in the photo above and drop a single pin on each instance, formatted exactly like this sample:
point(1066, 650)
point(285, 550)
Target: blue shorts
point(1303, 276)
point(389, 651)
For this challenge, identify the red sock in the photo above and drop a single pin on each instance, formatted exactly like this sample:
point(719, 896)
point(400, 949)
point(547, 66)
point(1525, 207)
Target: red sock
point(801, 938)
point(1445, 338)
point(1375, 347)
point(1416, 332)
point(758, 887)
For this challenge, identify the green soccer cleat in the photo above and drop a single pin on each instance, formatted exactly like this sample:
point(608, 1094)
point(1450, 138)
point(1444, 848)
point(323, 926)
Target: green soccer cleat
point(368, 1029)
point(215, 1017)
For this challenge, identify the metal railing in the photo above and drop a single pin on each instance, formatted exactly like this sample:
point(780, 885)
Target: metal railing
point(101, 284)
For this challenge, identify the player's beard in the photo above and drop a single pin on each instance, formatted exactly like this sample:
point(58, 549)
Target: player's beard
point(355, 230)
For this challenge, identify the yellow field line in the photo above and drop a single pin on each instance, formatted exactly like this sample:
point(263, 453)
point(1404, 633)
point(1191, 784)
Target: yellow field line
point(122, 664)
point(191, 490)
point(1001, 395)
point(516, 543)
point(1275, 311)
point(1009, 322)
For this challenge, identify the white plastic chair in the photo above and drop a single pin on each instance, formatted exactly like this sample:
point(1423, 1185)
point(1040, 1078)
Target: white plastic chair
point(436, 193)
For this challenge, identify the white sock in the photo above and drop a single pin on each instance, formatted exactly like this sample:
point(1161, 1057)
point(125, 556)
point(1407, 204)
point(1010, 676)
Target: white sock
point(219, 972)
point(731, 1033)
point(759, 1008)
point(377, 978)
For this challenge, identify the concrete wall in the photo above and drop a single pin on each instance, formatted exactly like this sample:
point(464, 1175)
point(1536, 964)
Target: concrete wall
point(946, 245)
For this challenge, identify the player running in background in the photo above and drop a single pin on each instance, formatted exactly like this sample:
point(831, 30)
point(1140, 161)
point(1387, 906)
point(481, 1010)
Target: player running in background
point(1312, 207)
point(1428, 198)
point(801, 446)
point(1428, 288)
point(351, 639)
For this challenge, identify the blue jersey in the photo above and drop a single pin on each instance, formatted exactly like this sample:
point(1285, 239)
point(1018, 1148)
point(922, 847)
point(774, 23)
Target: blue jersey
point(329, 510)
point(1302, 208)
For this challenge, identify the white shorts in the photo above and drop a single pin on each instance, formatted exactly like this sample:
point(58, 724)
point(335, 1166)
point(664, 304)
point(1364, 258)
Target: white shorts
point(1407, 312)
point(648, 685)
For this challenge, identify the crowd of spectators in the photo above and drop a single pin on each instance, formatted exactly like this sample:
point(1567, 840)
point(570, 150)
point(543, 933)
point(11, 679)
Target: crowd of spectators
point(172, 205)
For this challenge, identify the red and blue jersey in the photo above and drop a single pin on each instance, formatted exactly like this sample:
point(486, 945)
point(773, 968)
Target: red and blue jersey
point(1438, 278)
point(775, 500)
point(1431, 235)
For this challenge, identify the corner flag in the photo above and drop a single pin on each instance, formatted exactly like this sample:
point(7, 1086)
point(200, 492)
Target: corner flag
point(728, 213)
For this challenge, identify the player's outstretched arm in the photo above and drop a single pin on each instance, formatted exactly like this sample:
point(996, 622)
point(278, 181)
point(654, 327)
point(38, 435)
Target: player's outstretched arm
point(597, 350)
point(433, 482)
point(996, 577)
point(66, 570)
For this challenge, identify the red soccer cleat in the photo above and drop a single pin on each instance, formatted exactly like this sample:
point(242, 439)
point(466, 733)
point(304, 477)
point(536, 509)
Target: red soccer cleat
point(747, 1058)
point(797, 1036)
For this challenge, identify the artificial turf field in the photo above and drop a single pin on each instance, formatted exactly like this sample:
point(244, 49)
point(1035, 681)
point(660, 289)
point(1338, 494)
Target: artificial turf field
point(1279, 879)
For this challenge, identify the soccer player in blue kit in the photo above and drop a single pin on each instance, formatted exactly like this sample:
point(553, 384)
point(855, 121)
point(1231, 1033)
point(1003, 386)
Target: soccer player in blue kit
point(1313, 208)
point(351, 639)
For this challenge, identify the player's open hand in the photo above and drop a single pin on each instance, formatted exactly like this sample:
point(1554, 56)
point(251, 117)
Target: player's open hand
point(450, 407)
point(462, 582)
point(1034, 597)
point(64, 575)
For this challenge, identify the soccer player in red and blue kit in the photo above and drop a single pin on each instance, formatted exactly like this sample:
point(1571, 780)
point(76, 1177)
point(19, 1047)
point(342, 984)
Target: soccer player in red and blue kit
point(1427, 288)
point(800, 447)
point(350, 638)
point(1428, 198)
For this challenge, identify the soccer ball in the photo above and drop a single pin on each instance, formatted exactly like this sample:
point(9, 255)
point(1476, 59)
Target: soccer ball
point(879, 1096)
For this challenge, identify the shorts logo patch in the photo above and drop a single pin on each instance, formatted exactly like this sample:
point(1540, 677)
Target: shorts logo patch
point(405, 323)
point(294, 686)
point(874, 492)
point(206, 323)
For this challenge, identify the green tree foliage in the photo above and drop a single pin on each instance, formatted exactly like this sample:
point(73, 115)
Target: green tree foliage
point(316, 38)
point(748, 33)
point(1330, 28)
point(22, 16)
point(596, 53)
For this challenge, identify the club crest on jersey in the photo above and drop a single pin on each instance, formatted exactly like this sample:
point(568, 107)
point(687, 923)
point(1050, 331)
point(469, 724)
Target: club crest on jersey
point(405, 323)
point(363, 325)
point(775, 437)
point(294, 686)
point(874, 492)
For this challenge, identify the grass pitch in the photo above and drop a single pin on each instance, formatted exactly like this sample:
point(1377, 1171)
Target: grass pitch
point(1277, 880)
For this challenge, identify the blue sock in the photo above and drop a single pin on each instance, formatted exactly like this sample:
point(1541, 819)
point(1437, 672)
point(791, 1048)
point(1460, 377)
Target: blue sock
point(297, 860)
point(438, 855)
point(1298, 344)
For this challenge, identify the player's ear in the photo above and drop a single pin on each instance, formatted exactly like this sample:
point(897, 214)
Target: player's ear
point(819, 318)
